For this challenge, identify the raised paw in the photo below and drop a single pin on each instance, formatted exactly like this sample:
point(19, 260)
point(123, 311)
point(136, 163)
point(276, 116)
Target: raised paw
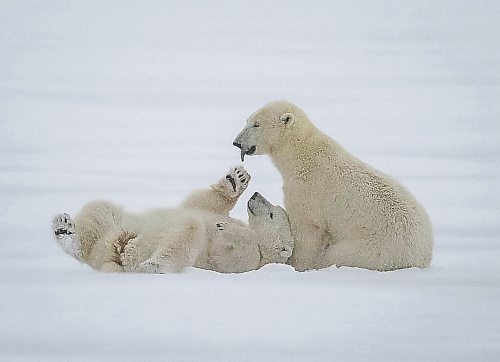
point(63, 225)
point(63, 228)
point(235, 182)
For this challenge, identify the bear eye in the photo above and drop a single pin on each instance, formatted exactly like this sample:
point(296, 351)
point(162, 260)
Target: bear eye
point(256, 125)
point(271, 215)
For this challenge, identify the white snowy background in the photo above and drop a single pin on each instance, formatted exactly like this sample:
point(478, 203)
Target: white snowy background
point(139, 102)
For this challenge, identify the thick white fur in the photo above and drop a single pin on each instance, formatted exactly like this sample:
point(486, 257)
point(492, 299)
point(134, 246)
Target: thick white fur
point(342, 211)
point(199, 233)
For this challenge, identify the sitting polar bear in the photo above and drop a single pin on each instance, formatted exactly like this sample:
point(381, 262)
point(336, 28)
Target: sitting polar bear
point(341, 210)
point(199, 233)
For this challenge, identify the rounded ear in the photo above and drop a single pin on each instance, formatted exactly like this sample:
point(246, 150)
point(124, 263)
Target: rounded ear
point(287, 118)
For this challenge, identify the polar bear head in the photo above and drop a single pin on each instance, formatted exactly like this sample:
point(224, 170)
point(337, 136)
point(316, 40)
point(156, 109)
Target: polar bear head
point(270, 223)
point(271, 127)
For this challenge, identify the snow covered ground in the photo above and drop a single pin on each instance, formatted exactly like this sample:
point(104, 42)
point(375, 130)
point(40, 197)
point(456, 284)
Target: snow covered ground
point(138, 102)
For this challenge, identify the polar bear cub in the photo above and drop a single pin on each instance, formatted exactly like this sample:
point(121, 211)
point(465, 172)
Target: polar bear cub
point(341, 210)
point(199, 233)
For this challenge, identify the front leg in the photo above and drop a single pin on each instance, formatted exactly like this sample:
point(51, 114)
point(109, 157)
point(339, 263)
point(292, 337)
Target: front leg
point(222, 196)
point(307, 250)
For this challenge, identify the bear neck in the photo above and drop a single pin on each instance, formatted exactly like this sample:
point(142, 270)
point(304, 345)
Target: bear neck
point(299, 155)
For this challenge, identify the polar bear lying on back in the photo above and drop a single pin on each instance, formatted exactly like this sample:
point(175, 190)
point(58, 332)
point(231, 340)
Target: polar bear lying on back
point(199, 233)
point(341, 210)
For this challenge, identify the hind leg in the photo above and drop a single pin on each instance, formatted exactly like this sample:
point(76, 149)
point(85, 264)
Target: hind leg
point(95, 236)
point(105, 255)
point(98, 218)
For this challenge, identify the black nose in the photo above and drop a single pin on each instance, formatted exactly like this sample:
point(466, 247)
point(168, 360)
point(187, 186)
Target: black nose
point(237, 144)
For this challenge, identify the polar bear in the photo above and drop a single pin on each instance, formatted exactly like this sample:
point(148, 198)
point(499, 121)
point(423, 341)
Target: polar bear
point(199, 233)
point(341, 210)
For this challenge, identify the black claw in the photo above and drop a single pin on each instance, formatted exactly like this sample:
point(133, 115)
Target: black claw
point(231, 179)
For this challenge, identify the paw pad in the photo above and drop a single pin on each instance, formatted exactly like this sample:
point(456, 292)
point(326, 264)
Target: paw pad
point(236, 181)
point(63, 228)
point(63, 225)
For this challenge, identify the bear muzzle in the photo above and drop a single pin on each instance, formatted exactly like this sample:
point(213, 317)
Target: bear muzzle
point(245, 150)
point(258, 204)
